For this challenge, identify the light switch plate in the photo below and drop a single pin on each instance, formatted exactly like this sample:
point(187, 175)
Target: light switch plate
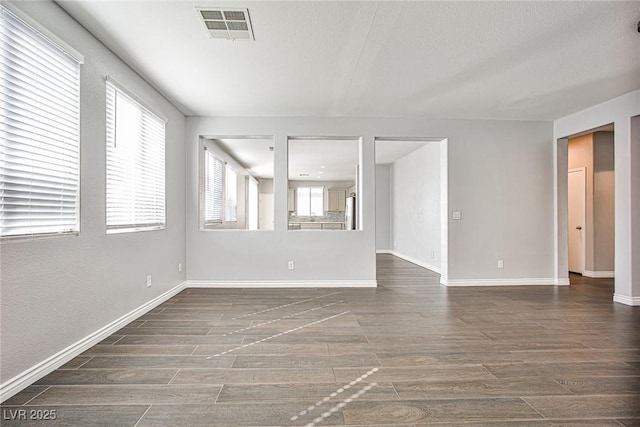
point(456, 215)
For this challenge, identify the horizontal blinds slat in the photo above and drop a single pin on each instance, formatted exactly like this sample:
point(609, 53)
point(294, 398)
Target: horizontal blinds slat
point(214, 168)
point(135, 164)
point(39, 128)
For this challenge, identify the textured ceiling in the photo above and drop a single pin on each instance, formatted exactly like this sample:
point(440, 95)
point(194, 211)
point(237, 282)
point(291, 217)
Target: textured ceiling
point(475, 60)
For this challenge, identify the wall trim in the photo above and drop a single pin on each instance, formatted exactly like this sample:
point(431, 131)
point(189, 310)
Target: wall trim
point(282, 283)
point(564, 281)
point(384, 251)
point(414, 261)
point(623, 299)
point(34, 373)
point(599, 274)
point(499, 282)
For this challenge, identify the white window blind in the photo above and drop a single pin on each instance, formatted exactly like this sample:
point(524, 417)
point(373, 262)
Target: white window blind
point(39, 132)
point(214, 175)
point(135, 164)
point(231, 199)
point(310, 201)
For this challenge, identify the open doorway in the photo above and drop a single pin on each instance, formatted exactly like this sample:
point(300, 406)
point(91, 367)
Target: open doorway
point(590, 203)
point(411, 200)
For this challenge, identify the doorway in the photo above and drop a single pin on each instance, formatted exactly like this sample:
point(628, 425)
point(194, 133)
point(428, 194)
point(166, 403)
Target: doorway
point(576, 221)
point(590, 203)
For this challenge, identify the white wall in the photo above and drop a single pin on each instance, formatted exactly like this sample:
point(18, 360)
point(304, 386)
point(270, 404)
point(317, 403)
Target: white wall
point(56, 291)
point(500, 176)
point(627, 187)
point(383, 207)
point(416, 206)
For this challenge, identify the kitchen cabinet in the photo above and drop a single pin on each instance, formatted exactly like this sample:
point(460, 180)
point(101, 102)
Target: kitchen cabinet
point(291, 200)
point(337, 200)
point(332, 226)
point(311, 226)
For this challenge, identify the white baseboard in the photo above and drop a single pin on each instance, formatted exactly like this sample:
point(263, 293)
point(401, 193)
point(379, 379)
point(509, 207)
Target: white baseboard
point(562, 281)
point(413, 261)
point(282, 283)
point(384, 251)
point(623, 299)
point(499, 282)
point(600, 274)
point(33, 374)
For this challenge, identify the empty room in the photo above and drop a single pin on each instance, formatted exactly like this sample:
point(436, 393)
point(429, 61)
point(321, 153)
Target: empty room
point(319, 213)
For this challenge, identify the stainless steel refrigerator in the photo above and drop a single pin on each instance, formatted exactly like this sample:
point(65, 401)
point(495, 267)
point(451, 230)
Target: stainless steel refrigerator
point(350, 213)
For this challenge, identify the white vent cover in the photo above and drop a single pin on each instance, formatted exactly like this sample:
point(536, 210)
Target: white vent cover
point(230, 24)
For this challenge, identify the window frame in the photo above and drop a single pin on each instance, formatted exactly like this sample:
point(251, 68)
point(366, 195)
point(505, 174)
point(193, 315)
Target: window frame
point(148, 115)
point(54, 51)
point(224, 223)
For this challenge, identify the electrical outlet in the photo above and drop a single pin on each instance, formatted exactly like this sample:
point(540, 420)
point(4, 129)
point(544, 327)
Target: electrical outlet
point(291, 265)
point(500, 263)
point(457, 215)
point(148, 281)
point(179, 267)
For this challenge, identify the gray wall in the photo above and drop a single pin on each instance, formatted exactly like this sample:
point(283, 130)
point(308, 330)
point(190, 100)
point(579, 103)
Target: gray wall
point(56, 291)
point(416, 206)
point(603, 201)
point(383, 207)
point(500, 177)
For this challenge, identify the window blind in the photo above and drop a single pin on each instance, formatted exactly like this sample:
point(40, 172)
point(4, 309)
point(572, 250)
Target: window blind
point(214, 168)
point(310, 201)
point(231, 199)
point(39, 132)
point(135, 164)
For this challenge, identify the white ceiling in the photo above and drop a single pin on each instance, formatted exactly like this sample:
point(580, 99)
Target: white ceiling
point(319, 159)
point(323, 159)
point(474, 60)
point(254, 153)
point(390, 150)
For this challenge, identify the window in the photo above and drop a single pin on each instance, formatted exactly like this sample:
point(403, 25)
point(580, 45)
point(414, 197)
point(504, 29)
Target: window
point(135, 164)
point(231, 200)
point(214, 183)
point(39, 132)
point(310, 201)
point(253, 200)
point(235, 179)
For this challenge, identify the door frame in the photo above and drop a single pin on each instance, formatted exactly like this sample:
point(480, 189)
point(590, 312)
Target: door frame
point(583, 247)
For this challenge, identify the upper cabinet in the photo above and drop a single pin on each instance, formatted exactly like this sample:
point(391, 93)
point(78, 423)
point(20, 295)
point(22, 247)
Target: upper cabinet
point(337, 200)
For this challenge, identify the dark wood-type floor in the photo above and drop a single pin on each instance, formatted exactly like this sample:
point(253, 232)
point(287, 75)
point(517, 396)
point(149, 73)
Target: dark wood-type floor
point(409, 353)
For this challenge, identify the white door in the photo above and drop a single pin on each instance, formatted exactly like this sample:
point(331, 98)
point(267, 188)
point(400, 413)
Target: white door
point(577, 216)
point(266, 212)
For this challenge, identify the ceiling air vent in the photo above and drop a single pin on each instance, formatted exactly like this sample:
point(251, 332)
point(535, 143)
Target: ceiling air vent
point(230, 24)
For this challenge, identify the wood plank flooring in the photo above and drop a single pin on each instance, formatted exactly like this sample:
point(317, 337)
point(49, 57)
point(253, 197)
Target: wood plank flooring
point(408, 353)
